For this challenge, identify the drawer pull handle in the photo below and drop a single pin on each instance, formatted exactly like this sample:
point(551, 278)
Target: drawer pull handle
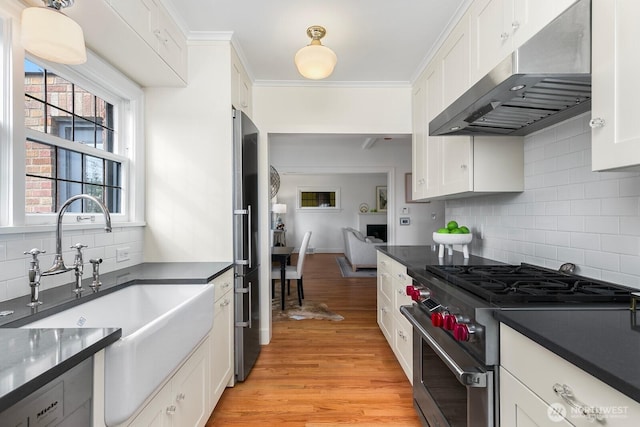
point(590, 412)
point(171, 410)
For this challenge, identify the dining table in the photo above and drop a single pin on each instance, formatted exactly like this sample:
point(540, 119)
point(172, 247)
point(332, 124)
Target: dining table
point(281, 254)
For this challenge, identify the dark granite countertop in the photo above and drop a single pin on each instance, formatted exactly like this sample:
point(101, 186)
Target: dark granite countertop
point(33, 357)
point(417, 257)
point(30, 358)
point(604, 343)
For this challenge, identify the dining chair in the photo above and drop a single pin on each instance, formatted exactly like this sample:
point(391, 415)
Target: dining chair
point(294, 271)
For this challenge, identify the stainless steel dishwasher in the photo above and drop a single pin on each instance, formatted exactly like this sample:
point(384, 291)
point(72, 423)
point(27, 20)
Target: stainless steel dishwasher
point(64, 401)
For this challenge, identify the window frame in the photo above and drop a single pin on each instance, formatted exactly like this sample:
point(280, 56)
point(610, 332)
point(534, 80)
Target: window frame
point(335, 190)
point(102, 80)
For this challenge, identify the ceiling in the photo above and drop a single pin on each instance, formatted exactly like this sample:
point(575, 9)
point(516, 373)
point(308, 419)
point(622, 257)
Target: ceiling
point(378, 42)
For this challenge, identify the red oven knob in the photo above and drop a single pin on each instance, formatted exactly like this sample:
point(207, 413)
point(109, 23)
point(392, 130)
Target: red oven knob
point(417, 294)
point(464, 331)
point(437, 320)
point(450, 322)
point(461, 332)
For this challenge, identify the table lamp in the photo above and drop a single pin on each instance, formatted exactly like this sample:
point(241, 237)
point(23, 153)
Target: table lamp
point(278, 209)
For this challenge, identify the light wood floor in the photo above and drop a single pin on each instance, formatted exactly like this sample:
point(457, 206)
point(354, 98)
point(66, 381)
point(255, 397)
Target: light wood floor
point(324, 373)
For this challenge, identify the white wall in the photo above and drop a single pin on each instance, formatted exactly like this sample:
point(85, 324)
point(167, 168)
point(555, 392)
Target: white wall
point(567, 213)
point(189, 162)
point(326, 226)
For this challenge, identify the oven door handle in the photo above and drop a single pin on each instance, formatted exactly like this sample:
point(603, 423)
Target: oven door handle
point(467, 378)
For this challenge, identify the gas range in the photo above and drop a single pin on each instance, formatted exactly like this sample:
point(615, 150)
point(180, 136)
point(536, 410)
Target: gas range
point(461, 299)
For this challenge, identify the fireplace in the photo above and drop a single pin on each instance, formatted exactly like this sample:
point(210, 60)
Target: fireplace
point(377, 230)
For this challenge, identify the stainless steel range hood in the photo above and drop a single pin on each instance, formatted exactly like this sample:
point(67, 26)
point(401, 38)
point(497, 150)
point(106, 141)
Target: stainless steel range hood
point(545, 81)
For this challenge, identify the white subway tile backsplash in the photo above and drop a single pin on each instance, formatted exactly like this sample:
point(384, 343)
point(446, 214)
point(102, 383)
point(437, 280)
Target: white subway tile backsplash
point(585, 241)
point(630, 186)
point(602, 224)
point(575, 256)
point(562, 207)
point(558, 238)
point(567, 213)
point(571, 223)
point(629, 245)
point(14, 264)
point(602, 260)
point(630, 225)
point(602, 189)
point(620, 206)
point(585, 207)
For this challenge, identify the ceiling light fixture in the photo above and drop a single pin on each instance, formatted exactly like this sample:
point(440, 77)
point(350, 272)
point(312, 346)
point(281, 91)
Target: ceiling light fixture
point(315, 61)
point(51, 35)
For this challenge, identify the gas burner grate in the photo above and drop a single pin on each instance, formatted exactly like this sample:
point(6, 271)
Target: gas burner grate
point(527, 283)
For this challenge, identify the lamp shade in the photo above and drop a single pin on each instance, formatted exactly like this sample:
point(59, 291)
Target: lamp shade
point(279, 208)
point(53, 36)
point(315, 61)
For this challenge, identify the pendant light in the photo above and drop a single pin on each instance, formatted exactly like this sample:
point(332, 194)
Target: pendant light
point(51, 35)
point(315, 61)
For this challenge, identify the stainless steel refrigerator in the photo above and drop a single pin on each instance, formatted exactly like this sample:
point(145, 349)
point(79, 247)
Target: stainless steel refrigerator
point(245, 234)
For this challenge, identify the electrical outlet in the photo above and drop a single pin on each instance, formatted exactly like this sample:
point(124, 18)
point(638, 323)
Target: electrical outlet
point(122, 254)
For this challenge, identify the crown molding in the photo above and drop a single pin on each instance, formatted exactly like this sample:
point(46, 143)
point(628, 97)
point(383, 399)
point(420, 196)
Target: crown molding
point(337, 84)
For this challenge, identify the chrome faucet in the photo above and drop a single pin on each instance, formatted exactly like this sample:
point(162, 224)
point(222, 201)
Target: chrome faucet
point(58, 263)
point(34, 277)
point(78, 266)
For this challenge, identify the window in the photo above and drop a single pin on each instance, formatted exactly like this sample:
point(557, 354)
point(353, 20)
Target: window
point(318, 198)
point(70, 145)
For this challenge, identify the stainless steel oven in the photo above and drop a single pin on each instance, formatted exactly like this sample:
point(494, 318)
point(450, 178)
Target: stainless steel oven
point(450, 387)
point(456, 337)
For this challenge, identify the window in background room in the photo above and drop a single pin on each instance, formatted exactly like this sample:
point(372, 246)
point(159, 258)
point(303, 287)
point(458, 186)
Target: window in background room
point(70, 145)
point(318, 198)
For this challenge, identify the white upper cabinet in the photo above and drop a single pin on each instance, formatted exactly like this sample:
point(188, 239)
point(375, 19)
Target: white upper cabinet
point(137, 36)
point(500, 26)
point(419, 126)
point(615, 67)
point(150, 21)
point(240, 85)
point(455, 166)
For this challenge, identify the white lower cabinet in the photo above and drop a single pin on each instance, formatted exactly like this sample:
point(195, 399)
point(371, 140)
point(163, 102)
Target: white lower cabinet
point(520, 407)
point(222, 368)
point(529, 376)
point(392, 282)
point(183, 400)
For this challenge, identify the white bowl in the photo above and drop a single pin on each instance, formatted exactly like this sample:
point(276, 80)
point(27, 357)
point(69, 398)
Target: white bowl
point(452, 239)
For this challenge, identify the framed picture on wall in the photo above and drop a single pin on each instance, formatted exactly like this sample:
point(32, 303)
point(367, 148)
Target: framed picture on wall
point(381, 198)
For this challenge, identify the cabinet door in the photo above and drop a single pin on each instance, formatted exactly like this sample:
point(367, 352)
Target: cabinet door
point(530, 16)
point(142, 17)
point(520, 407)
point(172, 46)
point(221, 347)
point(418, 149)
point(457, 164)
point(190, 389)
point(491, 41)
point(157, 413)
point(432, 143)
point(455, 60)
point(615, 68)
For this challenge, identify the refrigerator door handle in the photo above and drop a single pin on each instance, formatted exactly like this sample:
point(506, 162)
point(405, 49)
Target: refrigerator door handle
point(239, 252)
point(243, 323)
point(249, 239)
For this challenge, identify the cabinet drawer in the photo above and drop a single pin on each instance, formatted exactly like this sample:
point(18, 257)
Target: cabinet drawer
point(223, 284)
point(385, 263)
point(385, 317)
point(403, 346)
point(540, 369)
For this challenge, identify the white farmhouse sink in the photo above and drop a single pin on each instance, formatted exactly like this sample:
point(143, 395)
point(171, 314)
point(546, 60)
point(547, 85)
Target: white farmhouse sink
point(161, 325)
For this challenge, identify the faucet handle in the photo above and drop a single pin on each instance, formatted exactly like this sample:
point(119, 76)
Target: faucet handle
point(78, 246)
point(35, 252)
